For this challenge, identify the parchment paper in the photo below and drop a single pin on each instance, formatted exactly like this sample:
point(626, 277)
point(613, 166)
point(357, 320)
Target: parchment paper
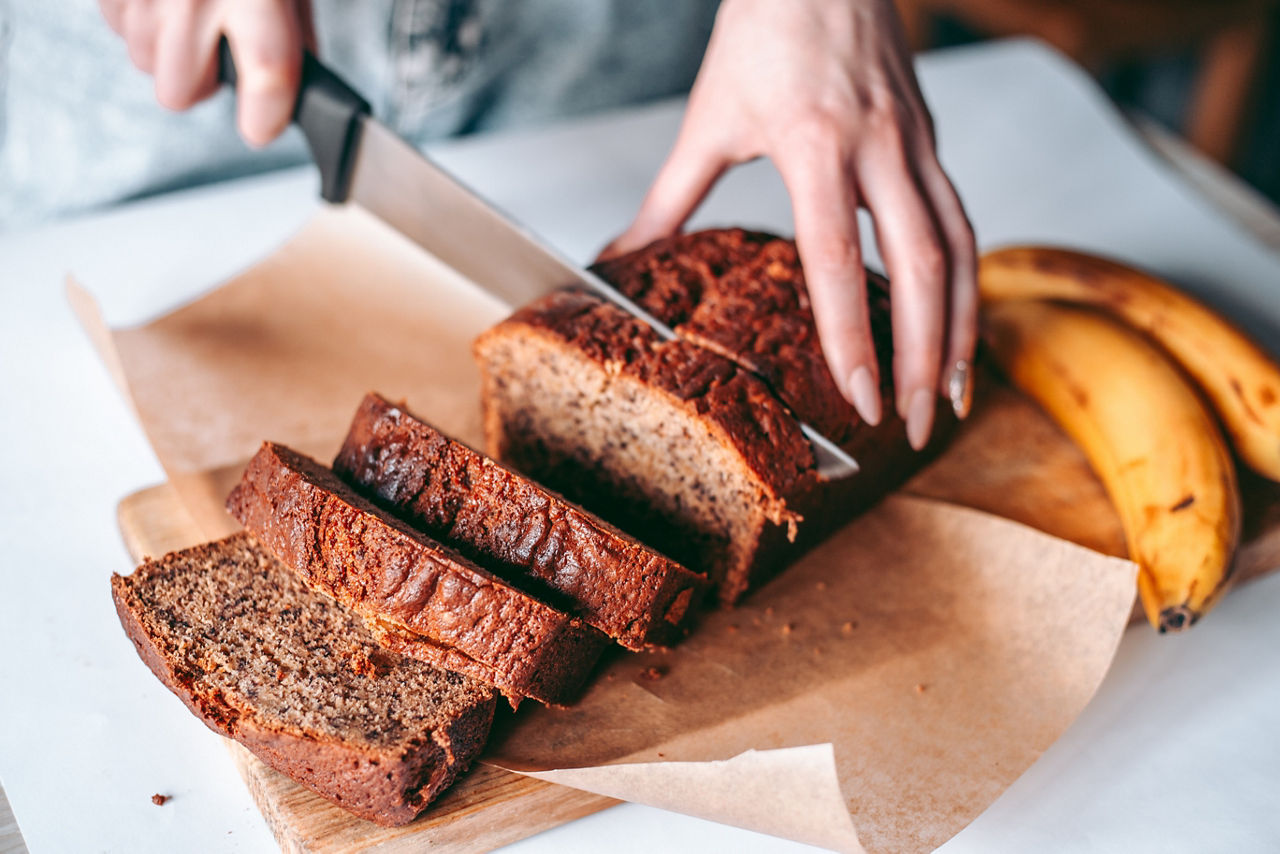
point(879, 694)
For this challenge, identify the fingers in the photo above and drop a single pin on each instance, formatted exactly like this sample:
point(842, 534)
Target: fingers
point(266, 43)
point(113, 12)
point(682, 183)
point(139, 25)
point(186, 61)
point(917, 261)
point(962, 326)
point(177, 41)
point(825, 209)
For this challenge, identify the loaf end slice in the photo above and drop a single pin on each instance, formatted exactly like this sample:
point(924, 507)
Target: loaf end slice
point(299, 681)
point(463, 616)
point(516, 527)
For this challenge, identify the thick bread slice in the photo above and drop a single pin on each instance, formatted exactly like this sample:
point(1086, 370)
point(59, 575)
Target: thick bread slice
point(517, 528)
point(463, 617)
point(298, 680)
point(674, 444)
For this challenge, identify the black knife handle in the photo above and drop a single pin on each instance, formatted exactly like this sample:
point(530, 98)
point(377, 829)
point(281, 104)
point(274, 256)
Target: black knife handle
point(329, 113)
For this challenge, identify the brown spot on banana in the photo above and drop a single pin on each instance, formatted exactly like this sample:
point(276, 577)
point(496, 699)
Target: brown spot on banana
point(1244, 404)
point(1079, 395)
point(1064, 263)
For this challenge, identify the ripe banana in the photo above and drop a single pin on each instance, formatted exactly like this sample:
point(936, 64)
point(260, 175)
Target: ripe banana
point(1155, 446)
point(1239, 379)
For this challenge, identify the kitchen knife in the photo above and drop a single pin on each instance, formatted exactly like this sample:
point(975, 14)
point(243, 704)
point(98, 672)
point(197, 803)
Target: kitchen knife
point(362, 161)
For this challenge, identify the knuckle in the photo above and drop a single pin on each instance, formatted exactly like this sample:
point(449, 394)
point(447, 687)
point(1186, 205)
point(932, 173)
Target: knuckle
point(268, 68)
point(892, 123)
point(832, 252)
point(930, 264)
point(816, 133)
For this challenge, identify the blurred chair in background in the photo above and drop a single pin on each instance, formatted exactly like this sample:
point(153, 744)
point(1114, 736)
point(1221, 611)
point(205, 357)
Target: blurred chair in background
point(1228, 39)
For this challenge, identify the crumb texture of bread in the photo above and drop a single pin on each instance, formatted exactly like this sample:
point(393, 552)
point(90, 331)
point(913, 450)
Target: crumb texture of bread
point(466, 618)
point(517, 528)
point(692, 445)
point(674, 444)
point(300, 681)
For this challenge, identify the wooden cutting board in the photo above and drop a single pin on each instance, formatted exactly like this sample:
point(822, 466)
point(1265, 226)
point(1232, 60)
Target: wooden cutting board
point(1008, 459)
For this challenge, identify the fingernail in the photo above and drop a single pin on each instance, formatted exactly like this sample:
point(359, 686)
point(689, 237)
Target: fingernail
point(919, 417)
point(960, 388)
point(866, 397)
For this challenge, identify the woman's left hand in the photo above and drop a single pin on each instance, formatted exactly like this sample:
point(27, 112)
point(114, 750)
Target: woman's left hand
point(826, 90)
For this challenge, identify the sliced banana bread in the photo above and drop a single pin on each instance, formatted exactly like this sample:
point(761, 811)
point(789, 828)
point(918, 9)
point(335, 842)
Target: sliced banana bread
point(461, 616)
point(517, 528)
point(297, 679)
point(742, 294)
point(680, 443)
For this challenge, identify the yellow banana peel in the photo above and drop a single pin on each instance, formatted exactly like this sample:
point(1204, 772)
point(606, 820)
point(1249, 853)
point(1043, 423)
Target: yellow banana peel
point(1239, 379)
point(1148, 436)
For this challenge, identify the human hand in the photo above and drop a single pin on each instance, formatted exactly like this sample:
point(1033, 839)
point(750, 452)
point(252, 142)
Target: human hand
point(826, 90)
point(176, 41)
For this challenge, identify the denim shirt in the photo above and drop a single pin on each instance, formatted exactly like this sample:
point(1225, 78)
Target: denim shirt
point(80, 127)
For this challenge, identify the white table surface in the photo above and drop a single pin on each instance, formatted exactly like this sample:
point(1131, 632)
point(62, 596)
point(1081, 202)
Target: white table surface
point(1180, 750)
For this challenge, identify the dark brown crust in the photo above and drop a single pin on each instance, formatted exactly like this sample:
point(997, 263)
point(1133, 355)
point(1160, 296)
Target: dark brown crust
point(742, 294)
point(517, 528)
point(470, 620)
point(385, 787)
point(734, 404)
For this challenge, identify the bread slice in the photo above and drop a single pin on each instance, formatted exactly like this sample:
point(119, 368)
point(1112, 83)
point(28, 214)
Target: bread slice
point(295, 678)
point(517, 528)
point(680, 443)
point(460, 616)
point(674, 444)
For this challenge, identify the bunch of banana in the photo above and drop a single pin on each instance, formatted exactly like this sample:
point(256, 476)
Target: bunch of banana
point(1237, 377)
point(1141, 423)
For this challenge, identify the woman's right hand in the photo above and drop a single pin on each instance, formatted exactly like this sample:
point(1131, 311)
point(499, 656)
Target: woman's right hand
point(176, 42)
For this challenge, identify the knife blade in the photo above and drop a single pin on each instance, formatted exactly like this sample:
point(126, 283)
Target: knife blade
point(363, 162)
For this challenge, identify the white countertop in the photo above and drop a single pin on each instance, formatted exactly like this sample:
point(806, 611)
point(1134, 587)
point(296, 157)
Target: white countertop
point(1180, 750)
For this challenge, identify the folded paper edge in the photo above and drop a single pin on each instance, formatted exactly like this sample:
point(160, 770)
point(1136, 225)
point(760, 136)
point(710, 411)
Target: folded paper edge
point(792, 792)
point(89, 314)
point(87, 311)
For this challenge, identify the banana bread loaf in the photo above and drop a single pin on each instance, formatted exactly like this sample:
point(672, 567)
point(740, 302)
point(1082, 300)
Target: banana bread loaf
point(742, 294)
point(515, 527)
point(680, 443)
point(416, 594)
point(298, 680)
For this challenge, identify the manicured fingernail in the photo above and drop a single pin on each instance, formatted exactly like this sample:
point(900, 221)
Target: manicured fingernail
point(866, 397)
point(919, 418)
point(960, 388)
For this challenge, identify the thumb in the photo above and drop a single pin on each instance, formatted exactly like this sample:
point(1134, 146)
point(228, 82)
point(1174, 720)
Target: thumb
point(682, 183)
